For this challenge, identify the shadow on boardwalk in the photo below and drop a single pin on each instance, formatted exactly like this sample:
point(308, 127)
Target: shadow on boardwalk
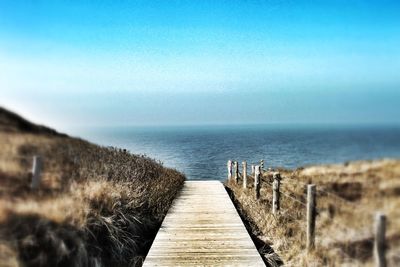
point(267, 253)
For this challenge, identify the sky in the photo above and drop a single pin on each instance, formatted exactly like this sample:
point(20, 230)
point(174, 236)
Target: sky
point(121, 63)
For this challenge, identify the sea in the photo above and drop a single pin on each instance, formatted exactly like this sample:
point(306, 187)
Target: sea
point(202, 152)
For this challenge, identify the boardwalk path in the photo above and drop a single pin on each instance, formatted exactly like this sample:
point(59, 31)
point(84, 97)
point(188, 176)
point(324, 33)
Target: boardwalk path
point(203, 228)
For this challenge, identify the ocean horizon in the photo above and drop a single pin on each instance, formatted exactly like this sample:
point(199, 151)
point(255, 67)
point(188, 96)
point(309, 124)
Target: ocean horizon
point(201, 152)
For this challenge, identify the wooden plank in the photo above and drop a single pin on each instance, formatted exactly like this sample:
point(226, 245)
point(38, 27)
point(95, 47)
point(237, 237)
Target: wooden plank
point(203, 228)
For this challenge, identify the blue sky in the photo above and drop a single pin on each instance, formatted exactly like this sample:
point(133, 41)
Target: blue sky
point(112, 63)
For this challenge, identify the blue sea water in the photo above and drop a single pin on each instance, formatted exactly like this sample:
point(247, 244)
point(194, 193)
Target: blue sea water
point(201, 152)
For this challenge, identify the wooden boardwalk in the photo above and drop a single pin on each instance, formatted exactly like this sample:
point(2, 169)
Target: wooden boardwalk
point(203, 228)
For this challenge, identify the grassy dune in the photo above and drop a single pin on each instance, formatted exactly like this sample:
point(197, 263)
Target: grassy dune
point(96, 206)
point(348, 195)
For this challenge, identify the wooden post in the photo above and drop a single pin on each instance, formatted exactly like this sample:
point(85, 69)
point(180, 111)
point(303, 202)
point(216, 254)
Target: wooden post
point(379, 242)
point(276, 193)
point(229, 169)
point(311, 215)
point(244, 171)
point(257, 181)
point(252, 169)
point(236, 166)
point(36, 172)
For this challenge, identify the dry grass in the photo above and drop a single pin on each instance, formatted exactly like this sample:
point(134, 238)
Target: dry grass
point(96, 206)
point(348, 195)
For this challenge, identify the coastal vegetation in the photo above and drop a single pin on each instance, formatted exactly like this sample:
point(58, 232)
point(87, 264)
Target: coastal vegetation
point(347, 196)
point(102, 206)
point(96, 206)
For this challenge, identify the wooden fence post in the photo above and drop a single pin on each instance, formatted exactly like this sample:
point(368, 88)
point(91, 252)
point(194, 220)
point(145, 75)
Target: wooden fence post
point(36, 172)
point(276, 194)
point(252, 169)
point(229, 170)
point(257, 181)
point(236, 167)
point(311, 216)
point(379, 242)
point(244, 171)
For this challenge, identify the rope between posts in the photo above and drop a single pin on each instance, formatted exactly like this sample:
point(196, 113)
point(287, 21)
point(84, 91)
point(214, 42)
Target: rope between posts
point(338, 197)
point(288, 196)
point(358, 228)
point(323, 191)
point(333, 222)
point(294, 199)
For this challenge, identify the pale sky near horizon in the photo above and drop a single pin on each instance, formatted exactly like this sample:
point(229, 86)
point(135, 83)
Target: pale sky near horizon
point(113, 63)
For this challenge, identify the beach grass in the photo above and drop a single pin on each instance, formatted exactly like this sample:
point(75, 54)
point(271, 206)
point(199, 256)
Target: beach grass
point(96, 206)
point(348, 197)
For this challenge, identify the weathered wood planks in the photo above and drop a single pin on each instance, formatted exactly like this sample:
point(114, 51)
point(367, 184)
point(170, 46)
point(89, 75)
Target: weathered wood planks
point(203, 228)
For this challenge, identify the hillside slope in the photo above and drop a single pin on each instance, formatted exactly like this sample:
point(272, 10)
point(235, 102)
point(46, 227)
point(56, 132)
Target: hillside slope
point(96, 206)
point(347, 195)
point(12, 122)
